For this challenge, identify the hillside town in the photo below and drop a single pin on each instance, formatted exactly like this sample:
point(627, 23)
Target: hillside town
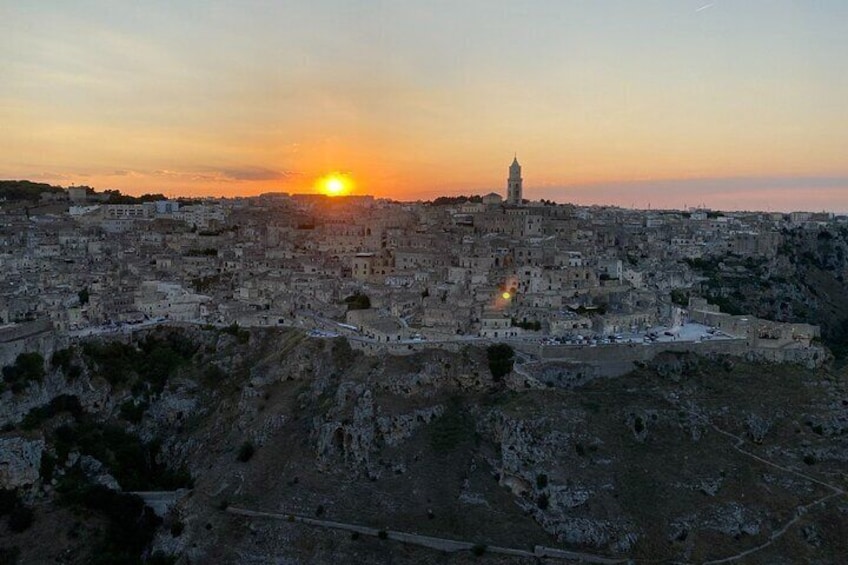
point(555, 278)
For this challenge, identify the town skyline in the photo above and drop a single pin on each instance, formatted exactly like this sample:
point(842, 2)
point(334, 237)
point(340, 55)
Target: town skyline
point(537, 194)
point(725, 105)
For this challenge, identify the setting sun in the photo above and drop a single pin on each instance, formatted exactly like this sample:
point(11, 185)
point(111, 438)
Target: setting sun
point(334, 184)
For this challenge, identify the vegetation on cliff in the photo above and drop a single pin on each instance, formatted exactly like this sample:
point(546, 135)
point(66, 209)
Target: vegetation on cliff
point(685, 459)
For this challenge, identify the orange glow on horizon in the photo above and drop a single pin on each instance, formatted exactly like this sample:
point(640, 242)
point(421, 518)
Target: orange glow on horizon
point(334, 184)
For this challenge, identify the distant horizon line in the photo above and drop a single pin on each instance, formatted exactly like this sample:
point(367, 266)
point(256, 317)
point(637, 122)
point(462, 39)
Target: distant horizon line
point(699, 191)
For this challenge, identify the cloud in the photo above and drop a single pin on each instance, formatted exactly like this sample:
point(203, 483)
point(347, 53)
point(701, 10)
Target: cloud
point(126, 173)
point(52, 176)
point(255, 174)
point(212, 174)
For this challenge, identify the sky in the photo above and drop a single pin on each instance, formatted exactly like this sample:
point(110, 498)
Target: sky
point(643, 103)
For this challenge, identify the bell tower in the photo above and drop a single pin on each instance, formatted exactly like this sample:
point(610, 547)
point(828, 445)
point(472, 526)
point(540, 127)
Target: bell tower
point(513, 184)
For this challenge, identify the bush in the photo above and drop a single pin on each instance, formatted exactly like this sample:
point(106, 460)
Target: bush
point(243, 336)
point(10, 555)
point(133, 411)
point(48, 465)
point(153, 363)
point(62, 403)
point(160, 558)
point(28, 367)
point(115, 362)
point(383, 534)
point(680, 297)
point(245, 452)
point(541, 481)
point(20, 515)
point(131, 525)
point(478, 549)
point(501, 358)
point(177, 529)
point(133, 462)
point(9, 500)
point(62, 358)
point(543, 501)
point(20, 519)
point(452, 428)
point(535, 325)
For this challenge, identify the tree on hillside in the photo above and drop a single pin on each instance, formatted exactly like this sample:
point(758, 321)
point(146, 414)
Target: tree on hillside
point(501, 358)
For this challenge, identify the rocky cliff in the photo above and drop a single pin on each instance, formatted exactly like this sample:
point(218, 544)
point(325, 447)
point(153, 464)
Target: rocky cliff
point(687, 459)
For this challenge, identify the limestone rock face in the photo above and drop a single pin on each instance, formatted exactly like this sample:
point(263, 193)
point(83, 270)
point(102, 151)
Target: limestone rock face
point(20, 460)
point(395, 429)
point(93, 396)
point(349, 428)
point(97, 472)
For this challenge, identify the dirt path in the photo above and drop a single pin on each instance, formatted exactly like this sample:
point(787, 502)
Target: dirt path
point(440, 544)
point(799, 511)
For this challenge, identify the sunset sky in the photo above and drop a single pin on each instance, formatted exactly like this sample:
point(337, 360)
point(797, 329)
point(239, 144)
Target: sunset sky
point(729, 104)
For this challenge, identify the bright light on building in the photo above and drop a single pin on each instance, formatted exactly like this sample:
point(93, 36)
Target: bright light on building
point(506, 296)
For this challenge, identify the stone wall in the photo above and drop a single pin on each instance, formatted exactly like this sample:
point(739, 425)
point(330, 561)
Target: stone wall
point(26, 338)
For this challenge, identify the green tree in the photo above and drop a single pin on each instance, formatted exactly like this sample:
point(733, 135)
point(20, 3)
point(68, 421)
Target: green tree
point(28, 367)
point(501, 359)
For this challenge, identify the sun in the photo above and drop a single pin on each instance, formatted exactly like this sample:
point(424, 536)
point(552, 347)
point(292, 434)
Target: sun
point(334, 184)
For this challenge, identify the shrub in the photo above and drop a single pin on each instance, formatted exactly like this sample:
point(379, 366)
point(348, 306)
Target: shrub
point(9, 555)
point(478, 549)
point(177, 529)
point(501, 358)
point(534, 325)
point(130, 527)
point(245, 452)
point(48, 465)
point(680, 297)
point(383, 534)
point(62, 358)
point(113, 361)
point(20, 519)
point(133, 411)
point(28, 367)
point(542, 501)
point(133, 462)
point(62, 403)
point(541, 481)
point(243, 336)
point(159, 557)
point(452, 428)
point(8, 501)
